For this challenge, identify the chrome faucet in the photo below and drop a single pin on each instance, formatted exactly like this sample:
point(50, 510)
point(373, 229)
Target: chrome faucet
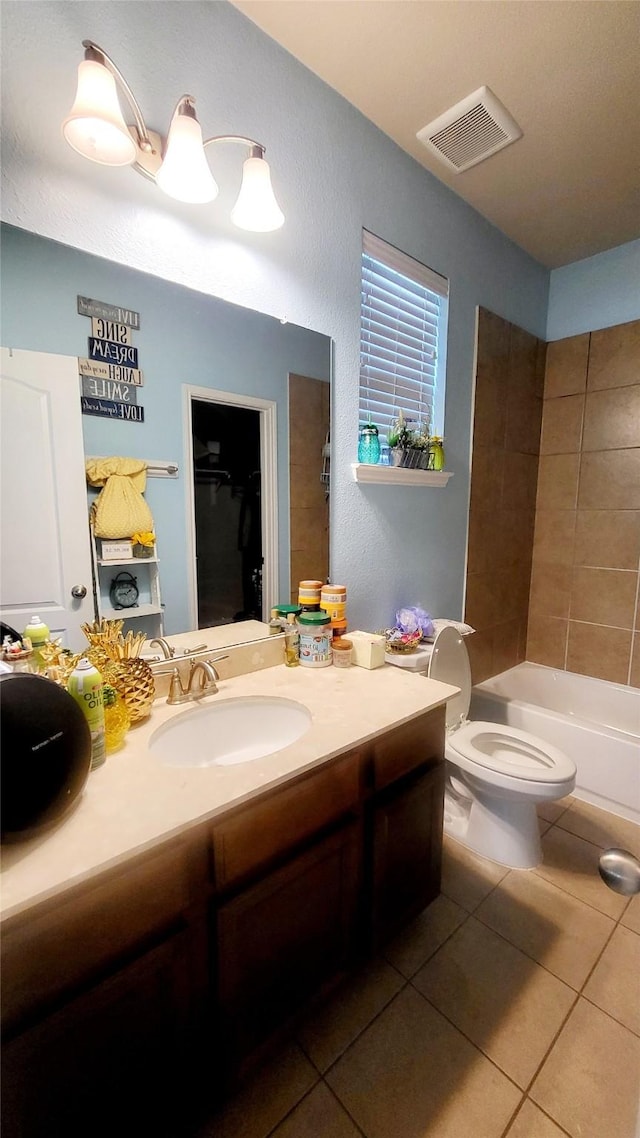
point(193, 691)
point(167, 651)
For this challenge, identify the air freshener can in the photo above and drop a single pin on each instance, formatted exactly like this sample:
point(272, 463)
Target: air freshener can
point(85, 685)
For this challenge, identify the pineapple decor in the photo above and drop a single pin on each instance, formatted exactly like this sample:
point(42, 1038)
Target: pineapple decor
point(116, 719)
point(117, 659)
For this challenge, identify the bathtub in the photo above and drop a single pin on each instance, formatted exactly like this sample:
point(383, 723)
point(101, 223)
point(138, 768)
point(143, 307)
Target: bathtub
point(595, 722)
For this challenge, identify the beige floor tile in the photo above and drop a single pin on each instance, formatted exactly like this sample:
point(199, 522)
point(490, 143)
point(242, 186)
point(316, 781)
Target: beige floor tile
point(554, 928)
point(600, 827)
point(266, 1098)
point(319, 1115)
point(615, 983)
point(412, 1075)
point(504, 1002)
point(552, 810)
point(631, 916)
point(467, 878)
point(572, 864)
point(415, 944)
point(589, 1083)
point(329, 1030)
point(530, 1122)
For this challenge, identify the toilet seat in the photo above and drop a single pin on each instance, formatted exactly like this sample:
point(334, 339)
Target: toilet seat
point(494, 751)
point(510, 751)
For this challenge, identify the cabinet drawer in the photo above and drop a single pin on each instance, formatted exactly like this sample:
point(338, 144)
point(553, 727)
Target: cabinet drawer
point(52, 953)
point(407, 747)
point(259, 834)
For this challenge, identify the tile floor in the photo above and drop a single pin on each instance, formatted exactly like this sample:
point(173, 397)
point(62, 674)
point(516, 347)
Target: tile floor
point(509, 1009)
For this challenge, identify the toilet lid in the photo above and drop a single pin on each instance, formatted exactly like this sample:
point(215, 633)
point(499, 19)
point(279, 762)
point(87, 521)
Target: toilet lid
point(449, 663)
point(500, 747)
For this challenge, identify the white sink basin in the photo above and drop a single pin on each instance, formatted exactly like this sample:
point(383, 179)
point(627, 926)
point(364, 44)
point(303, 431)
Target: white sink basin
point(229, 732)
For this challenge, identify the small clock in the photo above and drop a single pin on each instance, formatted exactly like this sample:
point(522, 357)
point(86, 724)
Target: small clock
point(124, 591)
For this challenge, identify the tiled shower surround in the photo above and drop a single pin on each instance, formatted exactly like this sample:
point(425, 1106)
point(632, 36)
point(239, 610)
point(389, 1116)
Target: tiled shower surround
point(506, 441)
point(586, 551)
point(309, 415)
point(555, 502)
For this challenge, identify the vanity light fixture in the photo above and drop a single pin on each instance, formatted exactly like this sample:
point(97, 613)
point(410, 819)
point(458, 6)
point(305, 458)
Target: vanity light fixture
point(95, 127)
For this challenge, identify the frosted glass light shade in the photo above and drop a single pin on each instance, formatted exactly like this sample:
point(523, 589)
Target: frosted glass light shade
point(256, 208)
point(94, 126)
point(185, 172)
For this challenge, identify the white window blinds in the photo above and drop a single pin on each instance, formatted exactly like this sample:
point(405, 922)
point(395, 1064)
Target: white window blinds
point(402, 338)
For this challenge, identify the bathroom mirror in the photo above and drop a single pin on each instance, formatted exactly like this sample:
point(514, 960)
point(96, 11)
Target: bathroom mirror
point(188, 340)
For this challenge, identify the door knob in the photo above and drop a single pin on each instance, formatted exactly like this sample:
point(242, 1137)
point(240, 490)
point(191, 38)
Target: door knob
point(78, 592)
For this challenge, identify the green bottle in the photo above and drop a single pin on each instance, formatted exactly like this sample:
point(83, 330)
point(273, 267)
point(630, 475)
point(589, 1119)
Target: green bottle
point(85, 685)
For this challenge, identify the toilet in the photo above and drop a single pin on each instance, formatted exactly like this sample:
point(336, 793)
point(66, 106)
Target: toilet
point(496, 774)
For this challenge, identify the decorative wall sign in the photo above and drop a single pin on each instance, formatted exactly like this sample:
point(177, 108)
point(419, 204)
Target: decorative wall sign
point(115, 372)
point(108, 389)
point(110, 330)
point(98, 308)
point(108, 409)
point(110, 376)
point(111, 353)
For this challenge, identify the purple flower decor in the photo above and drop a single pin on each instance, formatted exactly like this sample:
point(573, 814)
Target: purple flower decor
point(411, 620)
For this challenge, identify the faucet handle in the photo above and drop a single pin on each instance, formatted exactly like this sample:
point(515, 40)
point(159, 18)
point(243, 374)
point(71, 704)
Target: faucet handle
point(176, 690)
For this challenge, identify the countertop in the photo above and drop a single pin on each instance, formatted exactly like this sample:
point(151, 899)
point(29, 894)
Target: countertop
point(133, 803)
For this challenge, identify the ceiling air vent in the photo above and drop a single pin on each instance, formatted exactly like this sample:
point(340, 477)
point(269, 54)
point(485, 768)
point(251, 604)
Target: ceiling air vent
point(475, 128)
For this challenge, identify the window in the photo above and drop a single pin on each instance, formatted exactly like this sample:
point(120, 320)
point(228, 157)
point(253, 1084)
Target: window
point(403, 337)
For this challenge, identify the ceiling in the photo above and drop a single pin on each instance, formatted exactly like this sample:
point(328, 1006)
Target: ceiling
point(567, 70)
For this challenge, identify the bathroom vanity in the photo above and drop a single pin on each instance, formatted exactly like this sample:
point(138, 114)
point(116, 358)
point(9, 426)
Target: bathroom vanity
point(174, 926)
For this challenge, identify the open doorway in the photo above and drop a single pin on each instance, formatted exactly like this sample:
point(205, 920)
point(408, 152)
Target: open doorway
point(227, 493)
point(232, 499)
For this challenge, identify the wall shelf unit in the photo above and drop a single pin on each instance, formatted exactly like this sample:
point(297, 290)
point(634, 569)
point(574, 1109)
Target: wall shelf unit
point(399, 475)
point(149, 607)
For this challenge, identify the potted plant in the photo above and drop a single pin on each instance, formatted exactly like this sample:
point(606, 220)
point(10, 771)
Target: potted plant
point(400, 440)
point(143, 544)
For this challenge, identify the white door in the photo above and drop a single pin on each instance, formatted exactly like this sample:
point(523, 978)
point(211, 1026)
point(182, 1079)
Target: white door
point(44, 531)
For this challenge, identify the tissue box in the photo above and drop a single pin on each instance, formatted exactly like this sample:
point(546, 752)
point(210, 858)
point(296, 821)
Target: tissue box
point(368, 649)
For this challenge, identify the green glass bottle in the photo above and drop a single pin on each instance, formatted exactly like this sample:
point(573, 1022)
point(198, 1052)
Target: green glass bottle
point(369, 444)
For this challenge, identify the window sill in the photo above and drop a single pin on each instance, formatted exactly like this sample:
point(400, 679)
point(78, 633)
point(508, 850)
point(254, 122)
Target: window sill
point(399, 475)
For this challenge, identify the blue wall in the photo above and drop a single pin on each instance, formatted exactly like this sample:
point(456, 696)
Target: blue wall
point(334, 172)
point(184, 338)
point(598, 292)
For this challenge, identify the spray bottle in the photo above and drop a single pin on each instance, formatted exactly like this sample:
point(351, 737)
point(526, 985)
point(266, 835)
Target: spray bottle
point(85, 685)
point(38, 633)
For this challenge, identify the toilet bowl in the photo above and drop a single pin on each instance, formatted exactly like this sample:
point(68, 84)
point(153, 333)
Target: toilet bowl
point(496, 774)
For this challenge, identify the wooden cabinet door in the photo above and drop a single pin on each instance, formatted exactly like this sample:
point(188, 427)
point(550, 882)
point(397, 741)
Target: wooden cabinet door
point(406, 834)
point(111, 1061)
point(282, 940)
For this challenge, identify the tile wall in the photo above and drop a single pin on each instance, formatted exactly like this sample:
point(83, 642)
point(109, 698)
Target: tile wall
point(504, 475)
point(583, 614)
point(309, 411)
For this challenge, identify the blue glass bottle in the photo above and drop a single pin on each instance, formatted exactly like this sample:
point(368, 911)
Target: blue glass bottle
point(369, 444)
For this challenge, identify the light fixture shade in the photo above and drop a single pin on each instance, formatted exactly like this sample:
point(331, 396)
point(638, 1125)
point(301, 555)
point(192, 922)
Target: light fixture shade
point(185, 172)
point(256, 208)
point(94, 126)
